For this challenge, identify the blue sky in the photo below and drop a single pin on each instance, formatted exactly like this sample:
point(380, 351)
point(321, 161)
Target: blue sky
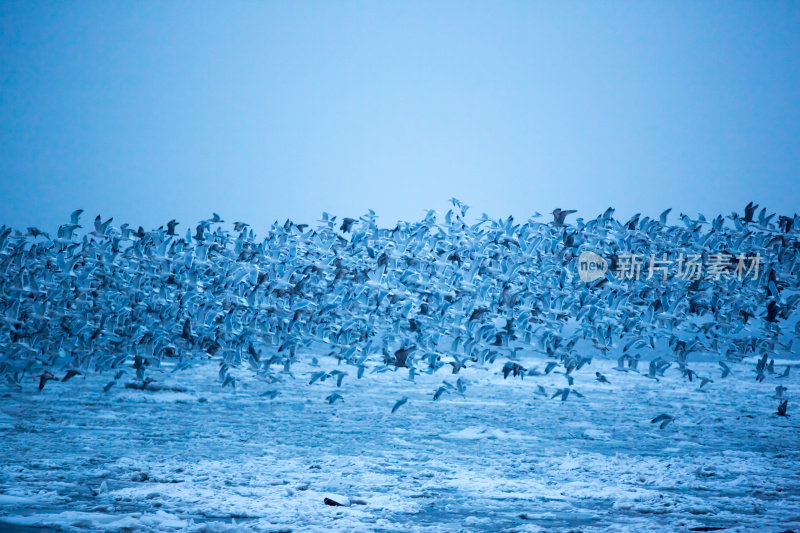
point(147, 111)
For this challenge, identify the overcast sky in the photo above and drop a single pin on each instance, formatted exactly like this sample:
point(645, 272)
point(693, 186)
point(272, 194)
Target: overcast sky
point(147, 111)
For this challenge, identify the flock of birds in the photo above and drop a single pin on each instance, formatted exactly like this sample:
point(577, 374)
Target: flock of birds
point(441, 293)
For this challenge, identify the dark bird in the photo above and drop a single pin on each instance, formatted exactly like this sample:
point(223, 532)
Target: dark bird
point(564, 393)
point(457, 364)
point(665, 420)
point(401, 355)
point(318, 376)
point(512, 368)
point(339, 376)
point(477, 313)
point(441, 390)
point(749, 210)
point(559, 215)
point(36, 232)
point(44, 378)
point(399, 403)
point(761, 368)
point(186, 333)
point(331, 398)
point(171, 227)
point(772, 312)
point(70, 374)
point(782, 408)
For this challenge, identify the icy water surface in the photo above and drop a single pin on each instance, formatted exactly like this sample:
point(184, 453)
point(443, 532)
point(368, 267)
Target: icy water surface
point(502, 458)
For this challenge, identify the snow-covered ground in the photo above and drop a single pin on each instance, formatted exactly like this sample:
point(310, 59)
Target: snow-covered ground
point(501, 458)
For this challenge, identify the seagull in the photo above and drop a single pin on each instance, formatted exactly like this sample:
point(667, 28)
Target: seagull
point(559, 215)
point(339, 376)
point(36, 232)
point(331, 398)
point(399, 403)
point(171, 227)
point(100, 227)
point(401, 355)
point(441, 390)
point(564, 393)
point(44, 378)
point(749, 210)
point(664, 419)
point(318, 376)
point(652, 372)
point(513, 368)
point(621, 363)
point(70, 374)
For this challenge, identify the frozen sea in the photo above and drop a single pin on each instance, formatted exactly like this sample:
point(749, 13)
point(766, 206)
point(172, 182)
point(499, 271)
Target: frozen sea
point(502, 457)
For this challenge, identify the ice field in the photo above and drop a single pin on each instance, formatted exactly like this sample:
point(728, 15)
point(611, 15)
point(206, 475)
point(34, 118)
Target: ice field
point(501, 458)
